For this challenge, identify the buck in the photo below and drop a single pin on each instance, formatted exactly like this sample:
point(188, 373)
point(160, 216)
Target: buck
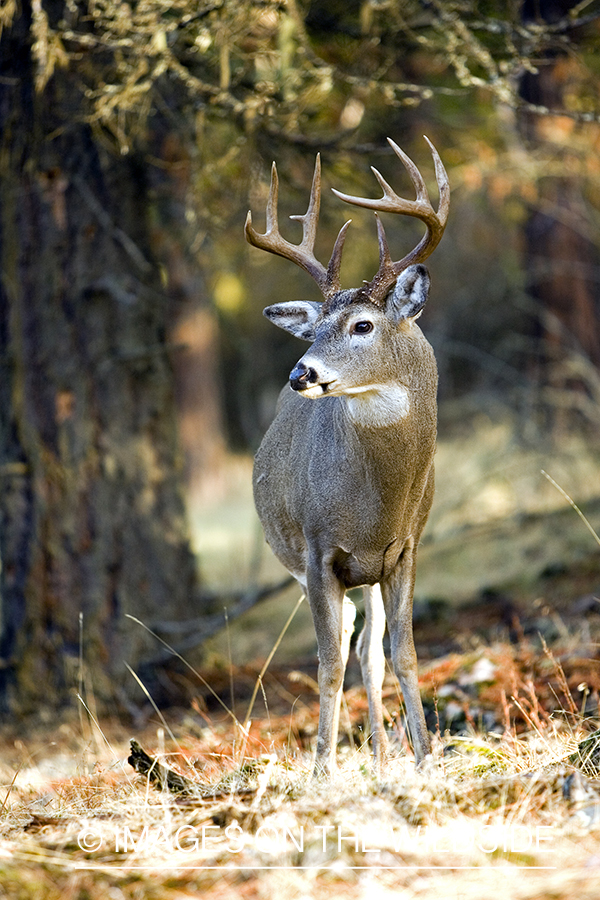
point(343, 480)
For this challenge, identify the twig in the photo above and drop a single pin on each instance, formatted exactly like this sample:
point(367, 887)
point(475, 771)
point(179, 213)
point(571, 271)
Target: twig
point(163, 777)
point(151, 699)
point(173, 652)
point(268, 661)
point(209, 625)
point(159, 775)
point(573, 504)
point(200, 629)
point(587, 755)
point(130, 247)
point(10, 787)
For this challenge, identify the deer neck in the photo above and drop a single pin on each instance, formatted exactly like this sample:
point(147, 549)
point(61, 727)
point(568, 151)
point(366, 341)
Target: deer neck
point(377, 405)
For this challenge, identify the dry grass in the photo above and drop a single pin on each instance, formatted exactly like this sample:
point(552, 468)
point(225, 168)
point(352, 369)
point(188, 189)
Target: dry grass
point(505, 806)
point(506, 811)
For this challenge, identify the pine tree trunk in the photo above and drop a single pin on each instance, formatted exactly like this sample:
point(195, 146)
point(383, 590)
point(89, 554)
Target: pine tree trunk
point(91, 515)
point(561, 260)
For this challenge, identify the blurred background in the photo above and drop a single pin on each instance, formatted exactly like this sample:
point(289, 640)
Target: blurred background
point(137, 374)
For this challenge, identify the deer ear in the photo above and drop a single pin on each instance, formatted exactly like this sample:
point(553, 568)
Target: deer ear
point(297, 317)
point(410, 294)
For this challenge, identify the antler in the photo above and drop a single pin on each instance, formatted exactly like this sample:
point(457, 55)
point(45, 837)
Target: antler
point(302, 254)
point(421, 208)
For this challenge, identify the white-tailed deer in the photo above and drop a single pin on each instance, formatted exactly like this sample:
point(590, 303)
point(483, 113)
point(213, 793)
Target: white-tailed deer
point(343, 480)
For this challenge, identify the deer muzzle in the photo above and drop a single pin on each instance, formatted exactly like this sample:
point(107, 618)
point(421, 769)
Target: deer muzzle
point(303, 377)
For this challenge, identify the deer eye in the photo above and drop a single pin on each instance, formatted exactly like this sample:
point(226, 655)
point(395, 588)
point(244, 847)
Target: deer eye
point(362, 327)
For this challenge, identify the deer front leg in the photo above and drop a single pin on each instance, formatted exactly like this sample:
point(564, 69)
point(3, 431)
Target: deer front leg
point(333, 617)
point(372, 664)
point(397, 594)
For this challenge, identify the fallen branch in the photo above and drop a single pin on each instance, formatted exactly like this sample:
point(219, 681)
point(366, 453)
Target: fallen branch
point(587, 755)
point(200, 629)
point(164, 778)
point(159, 775)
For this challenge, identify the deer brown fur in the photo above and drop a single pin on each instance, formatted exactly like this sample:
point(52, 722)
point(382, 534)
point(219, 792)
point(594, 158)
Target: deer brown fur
point(344, 479)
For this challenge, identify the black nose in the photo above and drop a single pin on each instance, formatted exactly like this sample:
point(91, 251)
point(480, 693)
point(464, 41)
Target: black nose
point(302, 377)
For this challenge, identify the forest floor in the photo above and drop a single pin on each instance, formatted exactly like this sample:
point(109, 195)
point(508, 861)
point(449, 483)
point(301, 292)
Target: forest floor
point(508, 638)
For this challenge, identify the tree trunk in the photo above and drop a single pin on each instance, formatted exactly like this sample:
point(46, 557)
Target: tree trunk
point(561, 259)
point(194, 329)
point(92, 521)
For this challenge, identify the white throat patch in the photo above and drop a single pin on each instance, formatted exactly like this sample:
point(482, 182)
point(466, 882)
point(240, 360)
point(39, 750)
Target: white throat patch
point(377, 405)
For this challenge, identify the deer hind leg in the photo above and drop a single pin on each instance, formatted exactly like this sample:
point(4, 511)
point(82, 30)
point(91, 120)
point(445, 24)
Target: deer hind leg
point(398, 602)
point(372, 663)
point(333, 616)
point(348, 616)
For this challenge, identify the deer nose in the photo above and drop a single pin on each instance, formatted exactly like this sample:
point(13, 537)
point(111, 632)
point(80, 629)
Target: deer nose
point(302, 376)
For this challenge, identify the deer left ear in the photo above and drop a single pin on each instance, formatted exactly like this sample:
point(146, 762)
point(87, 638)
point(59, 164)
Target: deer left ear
point(298, 317)
point(409, 296)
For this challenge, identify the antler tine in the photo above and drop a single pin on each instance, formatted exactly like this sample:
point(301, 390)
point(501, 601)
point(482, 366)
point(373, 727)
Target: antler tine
point(302, 254)
point(441, 177)
point(333, 269)
point(384, 251)
point(420, 208)
point(310, 219)
point(272, 212)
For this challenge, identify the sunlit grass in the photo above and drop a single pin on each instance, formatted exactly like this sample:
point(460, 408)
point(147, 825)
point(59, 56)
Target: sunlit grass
point(511, 800)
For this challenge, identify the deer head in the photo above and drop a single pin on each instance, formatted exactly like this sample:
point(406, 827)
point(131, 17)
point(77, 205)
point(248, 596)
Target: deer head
point(348, 322)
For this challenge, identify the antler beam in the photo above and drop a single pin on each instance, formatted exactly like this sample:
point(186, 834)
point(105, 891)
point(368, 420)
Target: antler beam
point(421, 208)
point(302, 254)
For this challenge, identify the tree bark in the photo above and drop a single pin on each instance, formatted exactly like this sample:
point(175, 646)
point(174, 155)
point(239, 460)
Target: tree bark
point(194, 328)
point(92, 520)
point(561, 260)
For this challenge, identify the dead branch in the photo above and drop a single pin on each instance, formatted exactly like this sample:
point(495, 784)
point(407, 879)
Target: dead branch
point(160, 776)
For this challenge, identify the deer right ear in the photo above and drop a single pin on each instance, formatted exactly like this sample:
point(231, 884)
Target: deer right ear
point(297, 317)
point(410, 294)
